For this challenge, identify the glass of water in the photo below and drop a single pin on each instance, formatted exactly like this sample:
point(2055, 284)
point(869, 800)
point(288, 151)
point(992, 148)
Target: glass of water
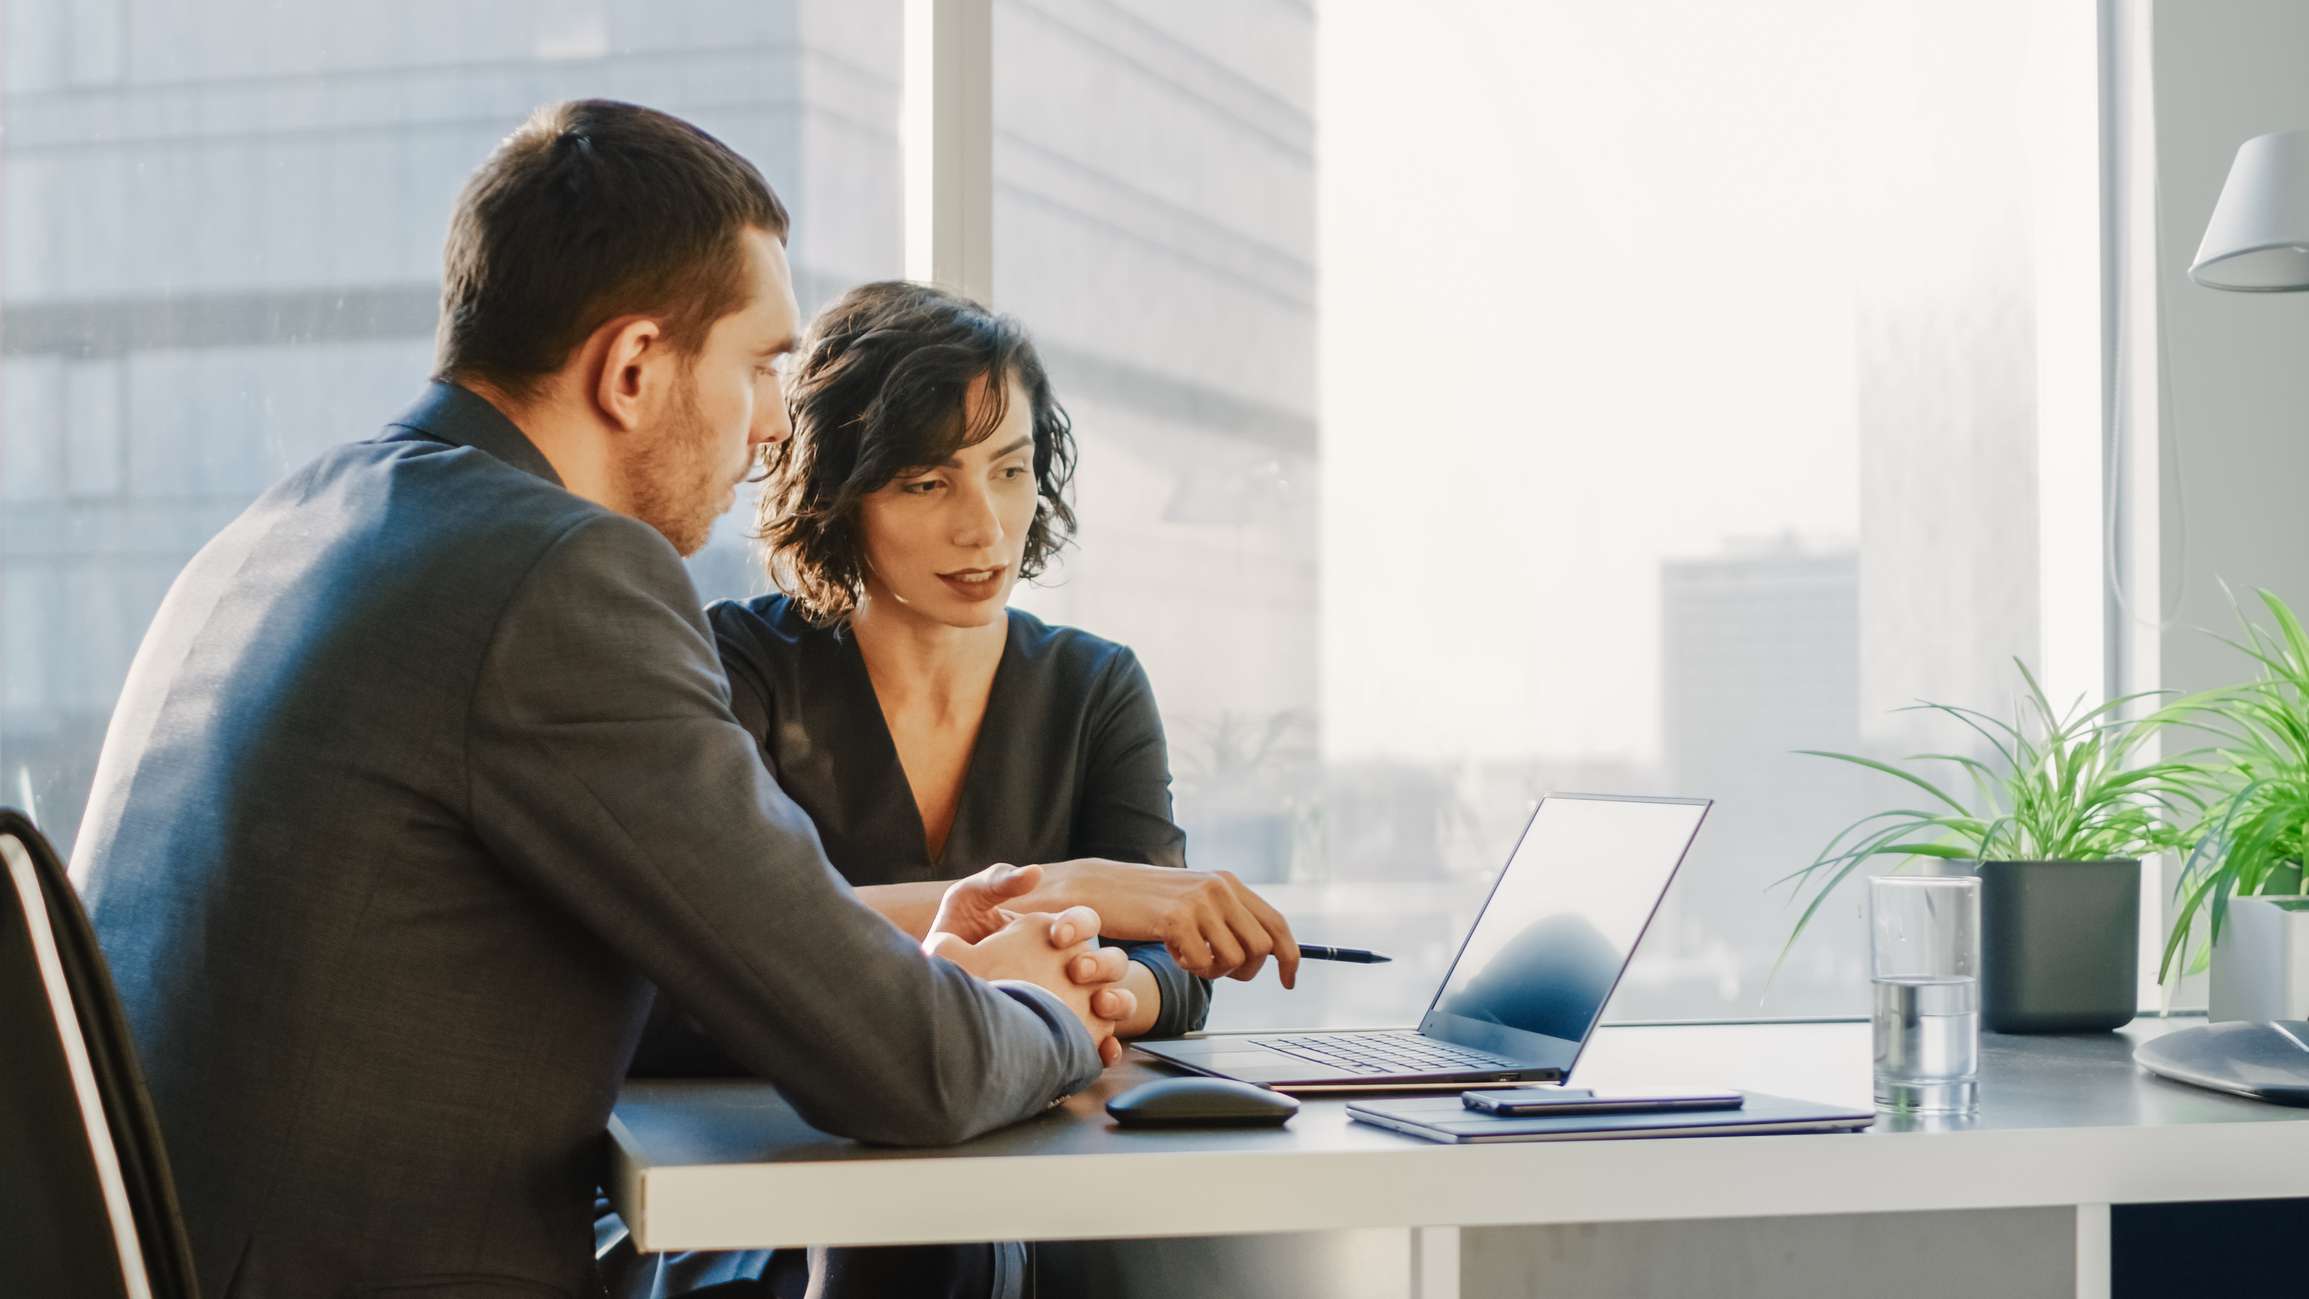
point(1924, 943)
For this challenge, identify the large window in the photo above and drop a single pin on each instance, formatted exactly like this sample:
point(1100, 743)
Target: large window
point(222, 254)
point(1484, 398)
point(1476, 398)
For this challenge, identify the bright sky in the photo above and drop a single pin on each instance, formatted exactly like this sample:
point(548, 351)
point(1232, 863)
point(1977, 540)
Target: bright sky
point(1588, 284)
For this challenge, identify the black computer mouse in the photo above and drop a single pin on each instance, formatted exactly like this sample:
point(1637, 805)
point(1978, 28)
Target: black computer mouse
point(1200, 1102)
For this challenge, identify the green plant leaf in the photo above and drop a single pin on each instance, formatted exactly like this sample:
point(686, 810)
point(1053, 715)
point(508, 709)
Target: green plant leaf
point(1889, 770)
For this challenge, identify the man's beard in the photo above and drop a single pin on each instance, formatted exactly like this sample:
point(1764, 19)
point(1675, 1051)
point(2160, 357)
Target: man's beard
point(674, 481)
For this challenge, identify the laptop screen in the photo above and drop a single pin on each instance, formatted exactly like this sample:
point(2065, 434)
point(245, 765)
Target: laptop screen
point(1561, 923)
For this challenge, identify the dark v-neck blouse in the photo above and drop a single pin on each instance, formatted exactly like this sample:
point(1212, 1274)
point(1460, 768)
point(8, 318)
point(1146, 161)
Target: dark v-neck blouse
point(1070, 760)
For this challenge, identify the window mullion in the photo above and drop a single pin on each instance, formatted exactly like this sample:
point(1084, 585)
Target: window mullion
point(949, 144)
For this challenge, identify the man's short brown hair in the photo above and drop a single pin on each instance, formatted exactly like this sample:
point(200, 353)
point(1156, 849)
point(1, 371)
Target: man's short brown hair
point(593, 210)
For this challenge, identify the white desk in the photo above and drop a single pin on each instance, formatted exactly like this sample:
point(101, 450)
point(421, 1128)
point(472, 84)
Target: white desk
point(2065, 1122)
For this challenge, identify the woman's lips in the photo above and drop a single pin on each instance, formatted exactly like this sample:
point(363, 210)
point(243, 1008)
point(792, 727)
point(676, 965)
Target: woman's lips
point(975, 583)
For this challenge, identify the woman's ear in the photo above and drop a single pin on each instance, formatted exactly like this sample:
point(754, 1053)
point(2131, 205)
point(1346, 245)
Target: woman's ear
point(633, 354)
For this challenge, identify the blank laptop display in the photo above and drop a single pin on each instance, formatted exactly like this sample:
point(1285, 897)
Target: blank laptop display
point(1532, 976)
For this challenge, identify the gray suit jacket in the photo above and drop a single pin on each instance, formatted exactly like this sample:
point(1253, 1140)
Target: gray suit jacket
point(424, 773)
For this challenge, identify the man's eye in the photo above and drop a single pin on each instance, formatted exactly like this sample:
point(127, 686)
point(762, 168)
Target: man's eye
point(923, 488)
point(1015, 471)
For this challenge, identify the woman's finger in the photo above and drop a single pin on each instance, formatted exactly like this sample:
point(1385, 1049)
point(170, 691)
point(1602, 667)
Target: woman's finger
point(1184, 938)
point(1283, 944)
point(1226, 952)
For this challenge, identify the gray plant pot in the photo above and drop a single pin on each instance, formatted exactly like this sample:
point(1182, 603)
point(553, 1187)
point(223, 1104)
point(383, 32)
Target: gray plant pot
point(2059, 945)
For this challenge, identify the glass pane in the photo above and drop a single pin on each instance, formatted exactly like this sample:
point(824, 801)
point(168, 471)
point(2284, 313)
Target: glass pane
point(222, 255)
point(1559, 395)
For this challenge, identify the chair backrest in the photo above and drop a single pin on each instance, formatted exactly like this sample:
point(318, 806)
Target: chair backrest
point(86, 1205)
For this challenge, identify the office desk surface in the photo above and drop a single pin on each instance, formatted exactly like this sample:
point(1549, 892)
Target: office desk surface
point(2063, 1121)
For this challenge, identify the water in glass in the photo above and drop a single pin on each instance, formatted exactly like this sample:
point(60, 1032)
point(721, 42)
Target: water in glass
point(1928, 1043)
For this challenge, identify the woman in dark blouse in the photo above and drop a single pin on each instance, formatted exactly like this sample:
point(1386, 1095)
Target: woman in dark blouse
point(1069, 762)
point(929, 730)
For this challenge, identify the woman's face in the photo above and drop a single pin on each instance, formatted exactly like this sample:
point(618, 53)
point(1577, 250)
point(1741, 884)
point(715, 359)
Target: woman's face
point(946, 542)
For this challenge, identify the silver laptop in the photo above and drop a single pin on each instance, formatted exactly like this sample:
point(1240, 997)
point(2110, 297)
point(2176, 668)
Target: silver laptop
point(1531, 979)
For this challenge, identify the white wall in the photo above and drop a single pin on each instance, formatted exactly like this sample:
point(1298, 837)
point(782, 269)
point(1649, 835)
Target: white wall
point(2236, 365)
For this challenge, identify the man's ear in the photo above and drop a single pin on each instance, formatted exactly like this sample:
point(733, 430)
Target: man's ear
point(629, 364)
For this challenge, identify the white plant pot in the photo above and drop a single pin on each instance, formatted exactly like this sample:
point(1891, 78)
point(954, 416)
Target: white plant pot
point(2261, 960)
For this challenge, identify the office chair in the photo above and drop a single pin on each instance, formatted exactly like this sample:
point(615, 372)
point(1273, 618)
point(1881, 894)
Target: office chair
point(86, 1204)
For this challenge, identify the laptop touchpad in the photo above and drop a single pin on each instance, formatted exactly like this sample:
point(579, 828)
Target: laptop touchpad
point(1263, 1066)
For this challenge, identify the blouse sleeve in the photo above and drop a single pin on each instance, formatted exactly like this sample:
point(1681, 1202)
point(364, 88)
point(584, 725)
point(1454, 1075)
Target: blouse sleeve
point(1125, 814)
point(741, 663)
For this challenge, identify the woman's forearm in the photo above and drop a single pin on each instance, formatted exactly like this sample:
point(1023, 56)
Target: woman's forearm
point(911, 907)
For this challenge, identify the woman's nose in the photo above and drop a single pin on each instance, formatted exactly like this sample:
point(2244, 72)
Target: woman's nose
point(979, 525)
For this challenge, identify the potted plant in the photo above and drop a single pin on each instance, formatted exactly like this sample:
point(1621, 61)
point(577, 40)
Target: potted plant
point(2242, 879)
point(2054, 814)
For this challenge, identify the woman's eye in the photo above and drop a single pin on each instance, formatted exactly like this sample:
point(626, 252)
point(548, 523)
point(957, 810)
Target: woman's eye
point(1014, 472)
point(924, 488)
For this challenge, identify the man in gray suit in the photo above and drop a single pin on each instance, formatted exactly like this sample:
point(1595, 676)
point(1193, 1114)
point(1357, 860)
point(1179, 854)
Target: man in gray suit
point(425, 773)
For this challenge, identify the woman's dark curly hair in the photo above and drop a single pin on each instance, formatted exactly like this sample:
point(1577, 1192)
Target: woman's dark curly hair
point(878, 394)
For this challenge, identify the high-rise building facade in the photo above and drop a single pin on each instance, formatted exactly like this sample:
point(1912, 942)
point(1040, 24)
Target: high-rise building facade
point(220, 231)
point(1760, 657)
point(1154, 224)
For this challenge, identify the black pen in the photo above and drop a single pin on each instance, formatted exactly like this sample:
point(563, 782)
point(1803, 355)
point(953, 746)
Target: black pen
point(1351, 955)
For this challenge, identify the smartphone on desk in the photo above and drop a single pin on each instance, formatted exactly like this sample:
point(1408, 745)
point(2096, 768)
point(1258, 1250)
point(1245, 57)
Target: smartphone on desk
point(1530, 1101)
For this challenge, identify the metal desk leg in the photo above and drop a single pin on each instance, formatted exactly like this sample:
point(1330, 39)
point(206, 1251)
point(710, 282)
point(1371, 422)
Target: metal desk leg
point(2092, 1251)
point(1435, 1263)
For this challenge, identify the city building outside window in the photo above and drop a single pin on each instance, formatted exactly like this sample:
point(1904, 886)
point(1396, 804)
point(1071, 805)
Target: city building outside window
point(1474, 400)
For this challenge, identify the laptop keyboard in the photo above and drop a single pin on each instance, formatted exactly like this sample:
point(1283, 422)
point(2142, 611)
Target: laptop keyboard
point(1387, 1053)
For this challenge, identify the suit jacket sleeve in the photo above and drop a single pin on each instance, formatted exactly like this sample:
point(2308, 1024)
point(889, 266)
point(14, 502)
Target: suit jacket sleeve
point(672, 1045)
point(1125, 814)
point(605, 767)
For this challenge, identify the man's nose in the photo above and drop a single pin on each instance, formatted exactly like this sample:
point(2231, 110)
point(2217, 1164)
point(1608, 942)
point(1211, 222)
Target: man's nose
point(771, 423)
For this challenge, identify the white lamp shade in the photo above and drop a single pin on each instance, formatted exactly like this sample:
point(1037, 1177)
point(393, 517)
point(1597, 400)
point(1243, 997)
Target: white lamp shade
point(2258, 239)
